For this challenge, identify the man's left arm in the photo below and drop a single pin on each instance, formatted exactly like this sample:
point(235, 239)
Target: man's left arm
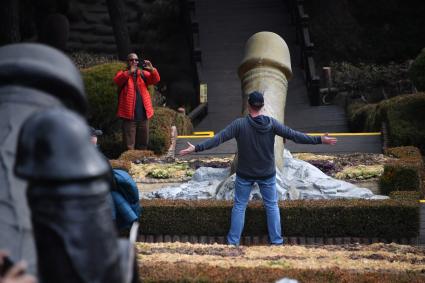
point(295, 136)
point(298, 137)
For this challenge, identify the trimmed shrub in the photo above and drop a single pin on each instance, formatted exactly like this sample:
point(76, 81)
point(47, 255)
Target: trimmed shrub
point(399, 176)
point(364, 117)
point(102, 95)
point(417, 71)
point(160, 128)
point(133, 155)
point(403, 174)
point(83, 59)
point(111, 144)
point(373, 82)
point(404, 116)
point(405, 195)
point(336, 218)
point(405, 152)
point(120, 164)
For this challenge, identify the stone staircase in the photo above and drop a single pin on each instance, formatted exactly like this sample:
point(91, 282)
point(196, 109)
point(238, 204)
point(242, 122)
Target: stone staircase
point(224, 28)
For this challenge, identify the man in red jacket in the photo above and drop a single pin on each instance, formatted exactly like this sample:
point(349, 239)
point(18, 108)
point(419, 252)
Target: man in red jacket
point(134, 103)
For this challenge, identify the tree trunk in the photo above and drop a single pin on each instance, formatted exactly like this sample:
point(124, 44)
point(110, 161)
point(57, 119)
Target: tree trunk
point(117, 14)
point(9, 22)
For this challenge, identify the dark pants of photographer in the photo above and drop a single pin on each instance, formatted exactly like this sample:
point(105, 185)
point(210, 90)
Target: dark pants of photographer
point(135, 134)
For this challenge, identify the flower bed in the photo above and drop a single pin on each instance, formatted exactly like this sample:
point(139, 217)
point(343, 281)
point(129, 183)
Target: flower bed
point(349, 167)
point(220, 263)
point(154, 169)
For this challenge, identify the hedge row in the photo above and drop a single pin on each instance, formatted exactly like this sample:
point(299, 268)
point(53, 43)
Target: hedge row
point(403, 174)
point(404, 116)
point(184, 272)
point(336, 218)
point(405, 195)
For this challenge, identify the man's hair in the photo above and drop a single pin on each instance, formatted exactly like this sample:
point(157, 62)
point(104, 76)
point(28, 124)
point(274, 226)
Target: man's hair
point(256, 100)
point(131, 55)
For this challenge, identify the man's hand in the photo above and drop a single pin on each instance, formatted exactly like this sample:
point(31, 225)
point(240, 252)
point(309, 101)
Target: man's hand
point(187, 150)
point(326, 139)
point(148, 65)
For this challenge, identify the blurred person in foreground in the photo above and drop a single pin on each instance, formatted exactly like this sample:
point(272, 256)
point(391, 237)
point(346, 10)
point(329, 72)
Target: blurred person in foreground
point(124, 193)
point(13, 273)
point(255, 136)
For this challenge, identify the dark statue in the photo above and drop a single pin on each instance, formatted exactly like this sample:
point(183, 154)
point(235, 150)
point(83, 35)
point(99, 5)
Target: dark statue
point(68, 180)
point(32, 78)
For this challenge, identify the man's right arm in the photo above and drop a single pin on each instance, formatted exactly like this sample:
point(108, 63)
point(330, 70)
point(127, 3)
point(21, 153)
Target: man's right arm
point(231, 131)
point(121, 78)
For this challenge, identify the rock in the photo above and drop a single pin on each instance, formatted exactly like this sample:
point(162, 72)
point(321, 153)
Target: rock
point(209, 173)
point(191, 190)
point(299, 180)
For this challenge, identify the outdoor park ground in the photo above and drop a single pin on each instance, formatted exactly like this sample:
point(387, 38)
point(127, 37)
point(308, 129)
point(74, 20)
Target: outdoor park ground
point(187, 262)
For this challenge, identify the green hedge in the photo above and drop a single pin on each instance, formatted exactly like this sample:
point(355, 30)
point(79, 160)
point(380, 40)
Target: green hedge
point(364, 117)
point(336, 218)
point(403, 174)
point(102, 95)
point(160, 128)
point(405, 195)
point(417, 71)
point(404, 116)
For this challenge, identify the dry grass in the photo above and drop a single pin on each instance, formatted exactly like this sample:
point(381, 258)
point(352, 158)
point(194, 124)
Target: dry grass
point(133, 155)
point(120, 164)
point(348, 263)
point(176, 171)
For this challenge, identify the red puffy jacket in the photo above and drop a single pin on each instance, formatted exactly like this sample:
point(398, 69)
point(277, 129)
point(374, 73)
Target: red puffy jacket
point(127, 96)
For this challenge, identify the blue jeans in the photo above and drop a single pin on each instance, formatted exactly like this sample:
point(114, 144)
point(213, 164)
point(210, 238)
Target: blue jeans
point(269, 194)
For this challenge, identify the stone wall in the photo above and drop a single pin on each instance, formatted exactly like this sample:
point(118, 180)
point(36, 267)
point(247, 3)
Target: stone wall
point(91, 28)
point(158, 32)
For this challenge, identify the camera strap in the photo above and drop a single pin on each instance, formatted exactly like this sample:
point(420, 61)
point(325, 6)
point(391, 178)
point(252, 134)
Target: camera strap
point(143, 77)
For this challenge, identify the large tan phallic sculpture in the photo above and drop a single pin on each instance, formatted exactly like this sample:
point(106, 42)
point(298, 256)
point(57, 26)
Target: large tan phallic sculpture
point(266, 67)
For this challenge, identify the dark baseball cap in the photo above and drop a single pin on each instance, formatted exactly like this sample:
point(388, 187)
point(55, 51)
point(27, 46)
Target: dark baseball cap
point(256, 99)
point(95, 132)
